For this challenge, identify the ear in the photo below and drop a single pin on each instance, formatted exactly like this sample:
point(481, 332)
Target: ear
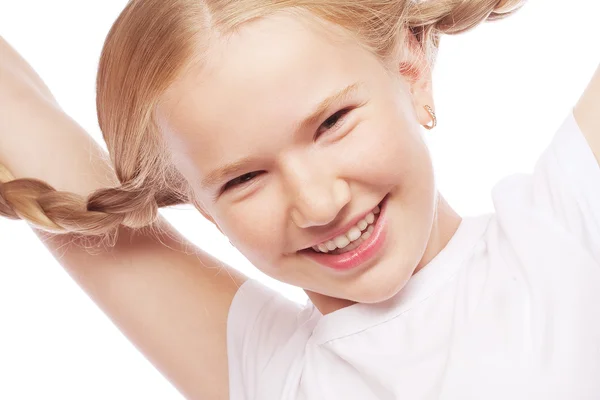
point(418, 78)
point(416, 71)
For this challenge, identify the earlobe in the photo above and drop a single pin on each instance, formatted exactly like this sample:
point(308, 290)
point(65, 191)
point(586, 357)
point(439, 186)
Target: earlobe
point(422, 102)
point(420, 86)
point(420, 83)
point(417, 74)
point(433, 118)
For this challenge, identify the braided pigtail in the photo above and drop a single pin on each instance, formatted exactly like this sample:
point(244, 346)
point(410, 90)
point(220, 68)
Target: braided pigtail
point(153, 42)
point(60, 212)
point(146, 49)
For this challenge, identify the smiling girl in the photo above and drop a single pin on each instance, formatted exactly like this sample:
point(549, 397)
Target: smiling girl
point(296, 127)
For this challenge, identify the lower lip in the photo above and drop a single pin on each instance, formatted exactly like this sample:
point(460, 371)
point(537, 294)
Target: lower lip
point(362, 254)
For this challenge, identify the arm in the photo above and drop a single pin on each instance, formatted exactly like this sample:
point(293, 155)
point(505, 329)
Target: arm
point(170, 299)
point(587, 114)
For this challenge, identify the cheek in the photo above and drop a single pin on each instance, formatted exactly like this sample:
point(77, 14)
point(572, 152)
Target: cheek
point(256, 226)
point(390, 149)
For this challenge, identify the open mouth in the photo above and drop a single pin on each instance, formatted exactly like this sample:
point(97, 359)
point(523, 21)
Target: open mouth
point(368, 244)
point(353, 238)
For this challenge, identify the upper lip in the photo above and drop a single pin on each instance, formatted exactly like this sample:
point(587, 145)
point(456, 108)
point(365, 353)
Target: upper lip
point(339, 231)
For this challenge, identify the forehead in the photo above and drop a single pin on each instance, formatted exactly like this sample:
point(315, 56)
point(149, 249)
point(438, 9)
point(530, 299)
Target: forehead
point(254, 87)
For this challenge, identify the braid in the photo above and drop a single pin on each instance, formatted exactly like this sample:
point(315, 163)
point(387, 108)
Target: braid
point(61, 212)
point(5, 209)
point(147, 48)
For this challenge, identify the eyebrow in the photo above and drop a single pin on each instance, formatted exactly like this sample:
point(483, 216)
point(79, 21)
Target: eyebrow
point(317, 114)
point(234, 168)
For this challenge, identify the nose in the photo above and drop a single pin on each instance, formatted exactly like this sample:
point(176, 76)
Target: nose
point(316, 194)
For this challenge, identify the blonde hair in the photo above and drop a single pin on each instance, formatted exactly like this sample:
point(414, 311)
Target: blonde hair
point(150, 45)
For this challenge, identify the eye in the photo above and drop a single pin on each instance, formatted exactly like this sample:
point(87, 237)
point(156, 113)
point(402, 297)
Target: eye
point(240, 180)
point(332, 123)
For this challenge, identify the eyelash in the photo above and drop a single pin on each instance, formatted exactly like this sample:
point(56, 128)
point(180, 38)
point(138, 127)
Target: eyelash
point(339, 115)
point(239, 180)
point(338, 122)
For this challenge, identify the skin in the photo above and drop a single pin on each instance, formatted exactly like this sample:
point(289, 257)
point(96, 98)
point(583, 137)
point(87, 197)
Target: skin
point(157, 290)
point(248, 101)
point(154, 288)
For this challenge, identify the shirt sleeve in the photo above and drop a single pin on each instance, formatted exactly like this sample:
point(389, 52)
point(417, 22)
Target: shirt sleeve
point(260, 322)
point(566, 184)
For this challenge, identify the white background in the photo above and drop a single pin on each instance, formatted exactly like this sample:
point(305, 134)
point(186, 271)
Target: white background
point(501, 92)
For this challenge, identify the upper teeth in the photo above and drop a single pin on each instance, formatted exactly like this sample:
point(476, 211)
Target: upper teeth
point(363, 228)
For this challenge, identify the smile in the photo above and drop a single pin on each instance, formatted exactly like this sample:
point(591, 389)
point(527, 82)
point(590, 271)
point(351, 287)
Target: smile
point(356, 252)
point(351, 239)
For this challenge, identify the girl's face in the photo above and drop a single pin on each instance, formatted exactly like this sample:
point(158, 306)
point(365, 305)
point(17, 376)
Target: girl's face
point(293, 131)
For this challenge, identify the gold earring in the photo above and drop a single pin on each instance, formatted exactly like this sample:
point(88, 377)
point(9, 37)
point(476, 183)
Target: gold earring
point(433, 118)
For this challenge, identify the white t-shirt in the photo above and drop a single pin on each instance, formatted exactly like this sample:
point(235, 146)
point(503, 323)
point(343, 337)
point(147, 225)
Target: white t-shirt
point(509, 309)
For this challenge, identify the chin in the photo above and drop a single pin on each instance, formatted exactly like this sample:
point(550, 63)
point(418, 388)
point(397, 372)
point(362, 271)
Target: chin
point(381, 285)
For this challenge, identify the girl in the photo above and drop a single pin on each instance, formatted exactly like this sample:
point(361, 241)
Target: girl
point(296, 127)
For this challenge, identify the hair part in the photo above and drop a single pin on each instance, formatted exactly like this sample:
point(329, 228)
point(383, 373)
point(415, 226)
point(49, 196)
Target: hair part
point(153, 42)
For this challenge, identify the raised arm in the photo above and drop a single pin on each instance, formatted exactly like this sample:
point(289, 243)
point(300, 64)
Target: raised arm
point(168, 297)
point(587, 114)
